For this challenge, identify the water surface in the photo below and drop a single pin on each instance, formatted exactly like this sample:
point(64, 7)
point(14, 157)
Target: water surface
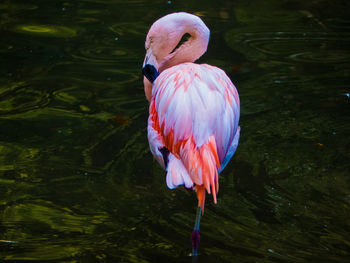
point(78, 182)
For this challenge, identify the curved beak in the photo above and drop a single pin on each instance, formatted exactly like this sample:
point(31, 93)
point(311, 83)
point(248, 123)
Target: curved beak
point(150, 65)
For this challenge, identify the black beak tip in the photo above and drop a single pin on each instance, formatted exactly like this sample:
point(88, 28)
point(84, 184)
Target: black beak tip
point(150, 72)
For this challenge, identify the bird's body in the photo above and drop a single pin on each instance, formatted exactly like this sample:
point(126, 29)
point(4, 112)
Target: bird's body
point(194, 108)
point(194, 113)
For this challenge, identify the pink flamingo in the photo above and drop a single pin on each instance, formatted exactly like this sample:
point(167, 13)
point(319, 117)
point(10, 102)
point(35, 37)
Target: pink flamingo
point(194, 109)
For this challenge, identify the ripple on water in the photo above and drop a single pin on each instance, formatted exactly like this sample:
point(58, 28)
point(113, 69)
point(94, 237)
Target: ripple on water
point(21, 97)
point(106, 52)
point(111, 46)
point(319, 47)
point(47, 30)
point(322, 56)
point(254, 15)
point(127, 28)
point(13, 155)
point(22, 6)
point(98, 54)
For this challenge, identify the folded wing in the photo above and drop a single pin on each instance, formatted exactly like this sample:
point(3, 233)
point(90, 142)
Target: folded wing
point(194, 113)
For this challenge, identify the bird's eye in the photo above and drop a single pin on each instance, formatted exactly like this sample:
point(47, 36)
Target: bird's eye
point(184, 38)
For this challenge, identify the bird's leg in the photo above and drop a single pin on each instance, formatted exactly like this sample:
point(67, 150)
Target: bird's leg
point(195, 234)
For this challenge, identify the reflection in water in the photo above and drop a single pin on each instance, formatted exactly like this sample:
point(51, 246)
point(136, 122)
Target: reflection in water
point(77, 181)
point(55, 31)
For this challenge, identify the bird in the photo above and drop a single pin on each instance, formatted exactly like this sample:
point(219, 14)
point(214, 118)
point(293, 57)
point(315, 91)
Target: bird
point(194, 109)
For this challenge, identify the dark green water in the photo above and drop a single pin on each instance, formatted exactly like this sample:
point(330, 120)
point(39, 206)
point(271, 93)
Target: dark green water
point(78, 182)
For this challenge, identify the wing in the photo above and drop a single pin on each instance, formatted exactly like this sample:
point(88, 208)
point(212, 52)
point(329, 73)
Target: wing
point(156, 142)
point(176, 172)
point(195, 109)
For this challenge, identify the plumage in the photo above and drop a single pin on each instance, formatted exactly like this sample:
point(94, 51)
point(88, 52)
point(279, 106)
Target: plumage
point(194, 112)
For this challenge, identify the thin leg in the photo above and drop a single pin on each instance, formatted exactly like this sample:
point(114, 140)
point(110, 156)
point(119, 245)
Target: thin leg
point(195, 234)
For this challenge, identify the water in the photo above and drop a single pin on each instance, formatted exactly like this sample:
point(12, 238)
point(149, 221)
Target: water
point(77, 180)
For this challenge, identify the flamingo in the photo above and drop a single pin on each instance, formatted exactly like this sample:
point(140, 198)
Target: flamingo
point(194, 108)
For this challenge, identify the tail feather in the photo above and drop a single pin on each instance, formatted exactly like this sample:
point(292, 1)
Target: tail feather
point(203, 166)
point(200, 191)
